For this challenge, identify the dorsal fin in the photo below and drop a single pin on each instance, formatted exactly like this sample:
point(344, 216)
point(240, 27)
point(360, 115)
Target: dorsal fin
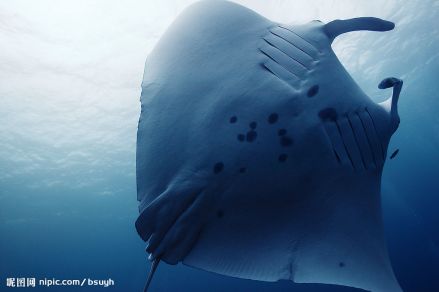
point(338, 27)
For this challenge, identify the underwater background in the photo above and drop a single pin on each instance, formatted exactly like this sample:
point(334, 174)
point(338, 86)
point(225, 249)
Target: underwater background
point(70, 76)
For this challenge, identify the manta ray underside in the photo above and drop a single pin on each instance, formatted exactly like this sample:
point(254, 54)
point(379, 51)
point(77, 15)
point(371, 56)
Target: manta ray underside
point(258, 156)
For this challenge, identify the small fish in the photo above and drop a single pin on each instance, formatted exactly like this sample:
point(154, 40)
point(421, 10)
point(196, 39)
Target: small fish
point(394, 154)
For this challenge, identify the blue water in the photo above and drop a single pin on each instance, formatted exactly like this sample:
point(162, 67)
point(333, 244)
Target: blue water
point(70, 78)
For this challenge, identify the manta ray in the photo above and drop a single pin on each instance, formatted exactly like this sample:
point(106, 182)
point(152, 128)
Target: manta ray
point(258, 156)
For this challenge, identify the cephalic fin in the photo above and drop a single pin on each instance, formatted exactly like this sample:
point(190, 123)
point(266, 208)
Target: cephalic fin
point(391, 104)
point(338, 27)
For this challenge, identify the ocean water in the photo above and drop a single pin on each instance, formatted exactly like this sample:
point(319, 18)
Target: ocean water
point(70, 74)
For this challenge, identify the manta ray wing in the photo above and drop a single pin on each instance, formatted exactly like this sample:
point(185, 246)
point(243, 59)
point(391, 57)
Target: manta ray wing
point(258, 156)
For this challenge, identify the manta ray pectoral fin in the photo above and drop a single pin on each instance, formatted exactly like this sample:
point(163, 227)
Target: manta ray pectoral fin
point(391, 104)
point(338, 27)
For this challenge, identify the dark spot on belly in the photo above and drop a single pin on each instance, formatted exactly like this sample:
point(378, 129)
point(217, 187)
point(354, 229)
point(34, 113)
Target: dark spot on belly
point(328, 114)
point(220, 214)
point(341, 264)
point(285, 141)
point(241, 137)
point(233, 119)
point(313, 91)
point(253, 125)
point(273, 118)
point(281, 132)
point(242, 170)
point(251, 136)
point(283, 157)
point(218, 167)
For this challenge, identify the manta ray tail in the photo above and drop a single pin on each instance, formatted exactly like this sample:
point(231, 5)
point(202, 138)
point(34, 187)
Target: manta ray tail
point(338, 27)
point(154, 266)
